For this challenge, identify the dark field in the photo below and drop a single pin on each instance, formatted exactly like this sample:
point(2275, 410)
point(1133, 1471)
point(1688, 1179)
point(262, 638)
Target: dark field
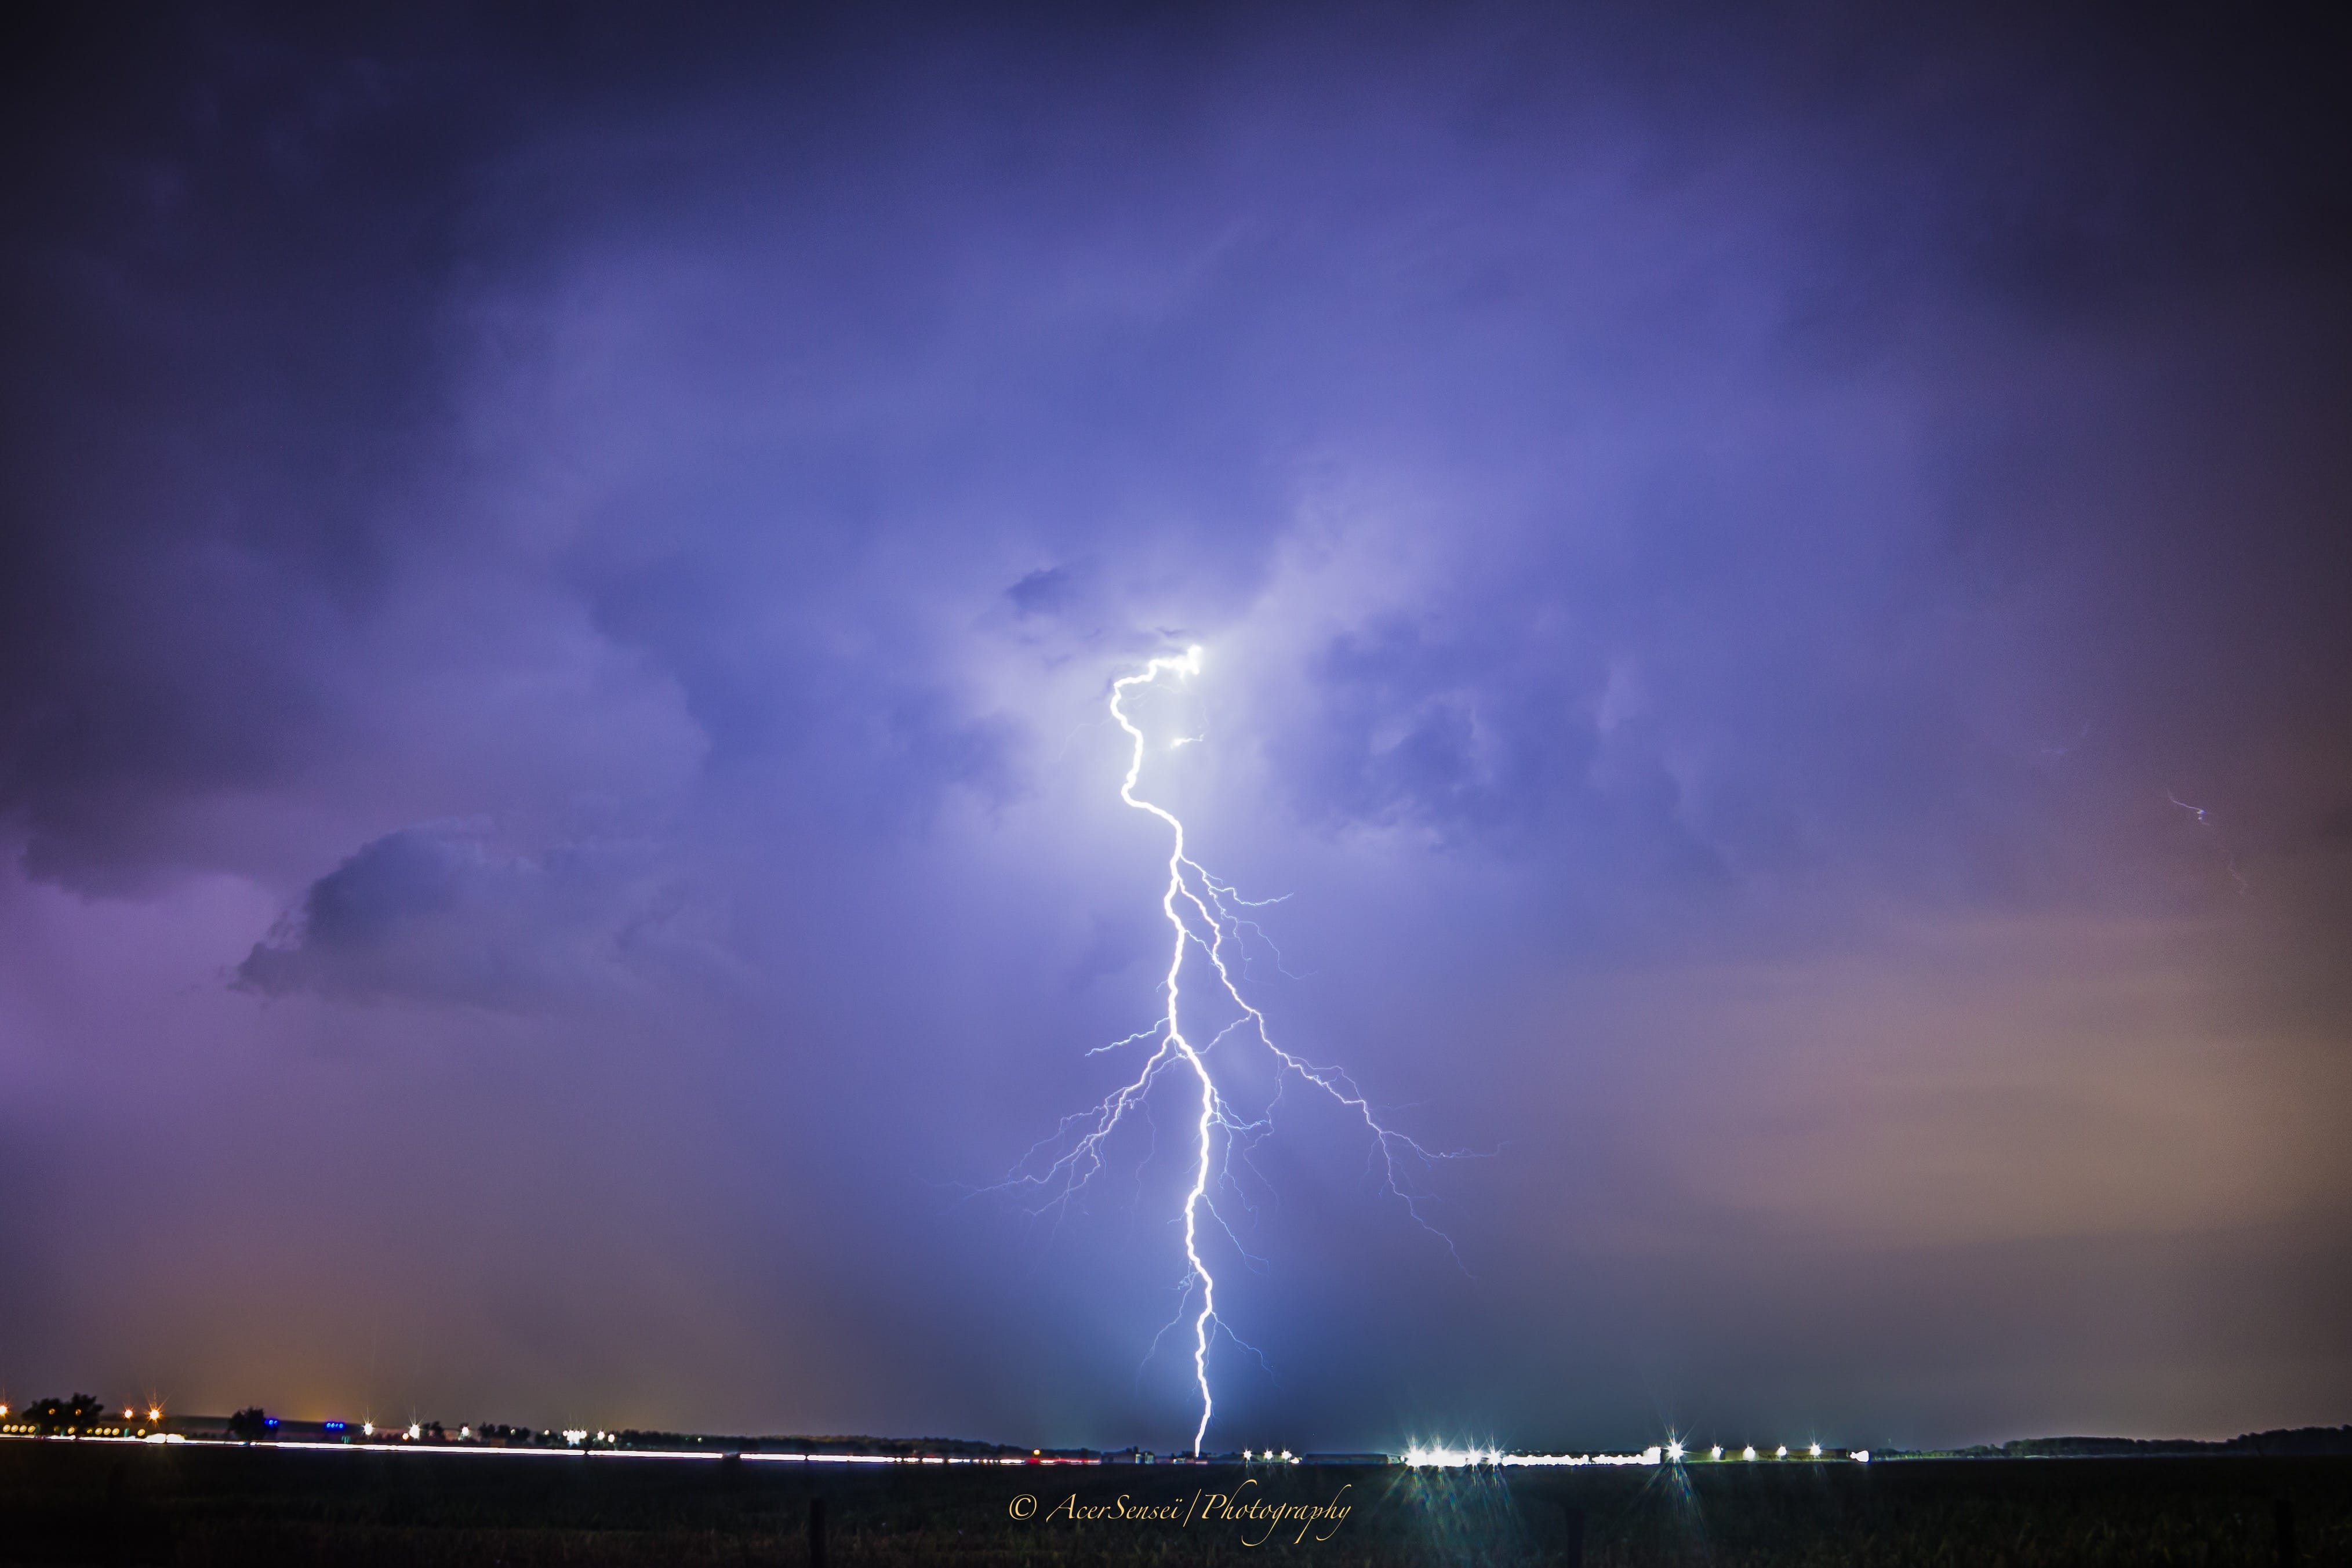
point(91, 1503)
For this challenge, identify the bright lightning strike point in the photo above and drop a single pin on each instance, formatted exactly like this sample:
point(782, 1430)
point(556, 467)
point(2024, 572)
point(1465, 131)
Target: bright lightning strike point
point(1201, 912)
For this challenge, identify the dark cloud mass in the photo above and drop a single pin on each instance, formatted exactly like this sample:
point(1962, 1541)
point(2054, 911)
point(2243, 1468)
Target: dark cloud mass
point(436, 913)
point(1768, 582)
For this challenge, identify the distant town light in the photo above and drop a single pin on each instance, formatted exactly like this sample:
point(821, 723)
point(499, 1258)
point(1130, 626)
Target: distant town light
point(1781, 1452)
point(1749, 1452)
point(1715, 1452)
point(1817, 1450)
point(1674, 1450)
point(1862, 1456)
point(154, 1412)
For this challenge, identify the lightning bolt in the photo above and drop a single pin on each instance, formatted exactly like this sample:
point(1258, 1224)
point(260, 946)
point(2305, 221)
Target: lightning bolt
point(1201, 912)
point(2205, 820)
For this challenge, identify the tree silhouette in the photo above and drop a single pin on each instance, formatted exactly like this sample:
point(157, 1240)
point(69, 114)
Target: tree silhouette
point(53, 1415)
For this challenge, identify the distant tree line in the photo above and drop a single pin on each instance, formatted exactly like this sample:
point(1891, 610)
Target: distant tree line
point(2298, 1441)
point(52, 1417)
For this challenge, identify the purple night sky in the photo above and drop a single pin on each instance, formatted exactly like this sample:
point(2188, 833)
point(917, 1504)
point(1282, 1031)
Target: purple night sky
point(1773, 590)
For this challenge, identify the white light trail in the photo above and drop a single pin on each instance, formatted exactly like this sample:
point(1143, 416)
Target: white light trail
point(1202, 912)
point(574, 1455)
point(1438, 1458)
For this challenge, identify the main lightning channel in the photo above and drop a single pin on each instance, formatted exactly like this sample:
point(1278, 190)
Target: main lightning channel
point(1191, 891)
point(1190, 665)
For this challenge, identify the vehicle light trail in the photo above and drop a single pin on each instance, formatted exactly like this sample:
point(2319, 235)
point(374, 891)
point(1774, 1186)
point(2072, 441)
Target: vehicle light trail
point(1201, 911)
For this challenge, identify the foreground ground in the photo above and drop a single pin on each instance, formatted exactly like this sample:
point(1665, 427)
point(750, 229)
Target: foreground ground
point(90, 1503)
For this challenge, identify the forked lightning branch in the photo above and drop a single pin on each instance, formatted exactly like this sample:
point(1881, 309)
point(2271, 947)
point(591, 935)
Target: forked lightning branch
point(1204, 935)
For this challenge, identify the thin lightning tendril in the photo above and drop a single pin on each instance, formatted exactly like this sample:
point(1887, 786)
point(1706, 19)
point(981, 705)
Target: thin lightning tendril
point(1200, 911)
point(2205, 820)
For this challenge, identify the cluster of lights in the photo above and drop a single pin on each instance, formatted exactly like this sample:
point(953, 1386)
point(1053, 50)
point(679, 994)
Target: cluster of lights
point(129, 1419)
point(1748, 1454)
point(1417, 1456)
point(1422, 1457)
point(1671, 1453)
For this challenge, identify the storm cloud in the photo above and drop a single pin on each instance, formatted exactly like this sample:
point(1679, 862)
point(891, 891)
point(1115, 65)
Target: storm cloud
point(1768, 584)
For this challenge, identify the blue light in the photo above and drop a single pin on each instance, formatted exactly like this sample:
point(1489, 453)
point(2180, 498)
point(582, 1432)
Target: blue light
point(331, 1426)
